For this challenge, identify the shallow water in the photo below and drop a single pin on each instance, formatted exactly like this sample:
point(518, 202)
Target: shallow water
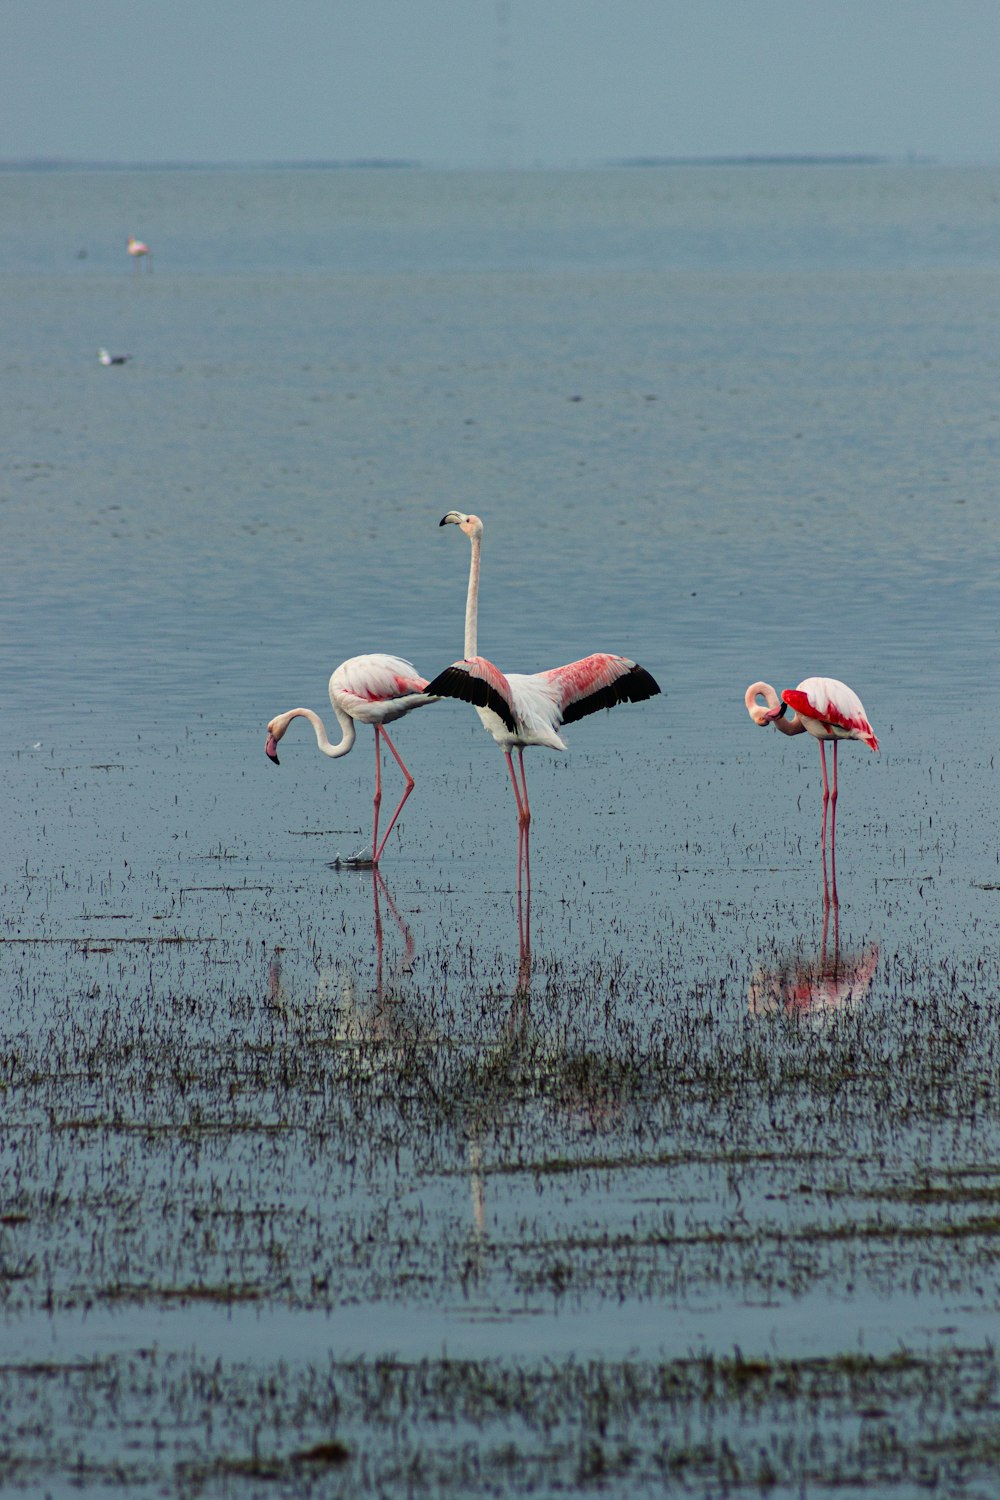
point(276, 1126)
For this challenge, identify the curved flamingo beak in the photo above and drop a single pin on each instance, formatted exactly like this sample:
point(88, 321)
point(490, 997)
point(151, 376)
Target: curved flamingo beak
point(271, 749)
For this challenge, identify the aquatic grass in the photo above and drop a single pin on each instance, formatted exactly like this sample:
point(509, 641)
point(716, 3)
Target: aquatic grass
point(907, 1419)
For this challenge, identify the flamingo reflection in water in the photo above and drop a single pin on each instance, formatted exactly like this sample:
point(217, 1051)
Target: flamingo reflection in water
point(515, 1033)
point(584, 1091)
point(358, 1015)
point(818, 987)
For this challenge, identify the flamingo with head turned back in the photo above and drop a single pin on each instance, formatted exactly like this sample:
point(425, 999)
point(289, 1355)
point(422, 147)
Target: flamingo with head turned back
point(520, 710)
point(374, 689)
point(826, 709)
point(139, 251)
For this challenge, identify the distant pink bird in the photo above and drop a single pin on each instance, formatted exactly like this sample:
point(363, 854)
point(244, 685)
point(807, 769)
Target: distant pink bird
point(376, 690)
point(138, 250)
point(826, 709)
point(520, 710)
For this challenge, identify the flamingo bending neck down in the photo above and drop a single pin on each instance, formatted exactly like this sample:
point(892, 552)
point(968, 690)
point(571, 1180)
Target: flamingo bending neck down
point(375, 689)
point(826, 709)
point(139, 251)
point(519, 710)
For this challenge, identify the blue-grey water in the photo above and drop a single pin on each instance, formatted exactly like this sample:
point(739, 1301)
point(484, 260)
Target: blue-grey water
point(732, 422)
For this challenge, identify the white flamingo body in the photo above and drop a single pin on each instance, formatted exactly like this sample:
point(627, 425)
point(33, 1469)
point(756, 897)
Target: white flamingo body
point(828, 710)
point(518, 709)
point(374, 689)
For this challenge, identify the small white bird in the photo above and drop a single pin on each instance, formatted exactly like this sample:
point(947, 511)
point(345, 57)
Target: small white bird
point(112, 359)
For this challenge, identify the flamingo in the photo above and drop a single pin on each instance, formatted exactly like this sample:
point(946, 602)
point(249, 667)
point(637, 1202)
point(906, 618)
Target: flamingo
point(137, 249)
point(519, 710)
point(826, 709)
point(374, 689)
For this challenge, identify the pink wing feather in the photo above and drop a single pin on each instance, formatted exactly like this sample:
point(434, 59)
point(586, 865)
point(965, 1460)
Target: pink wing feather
point(477, 681)
point(832, 702)
point(375, 677)
point(596, 682)
point(377, 689)
point(579, 688)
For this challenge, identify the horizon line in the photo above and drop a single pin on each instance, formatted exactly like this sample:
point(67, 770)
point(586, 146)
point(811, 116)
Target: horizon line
point(391, 163)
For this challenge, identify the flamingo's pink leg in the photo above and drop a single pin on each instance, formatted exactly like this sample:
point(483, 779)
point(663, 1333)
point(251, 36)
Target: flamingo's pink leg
point(833, 800)
point(524, 942)
point(378, 795)
point(833, 827)
point(410, 784)
point(522, 815)
point(517, 793)
point(826, 789)
point(526, 849)
point(523, 857)
point(829, 804)
point(524, 784)
point(826, 802)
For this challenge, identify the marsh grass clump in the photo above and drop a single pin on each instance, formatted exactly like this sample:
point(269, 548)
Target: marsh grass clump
point(173, 1110)
point(508, 1426)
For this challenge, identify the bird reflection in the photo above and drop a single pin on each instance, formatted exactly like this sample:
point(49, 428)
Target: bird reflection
point(517, 1031)
point(359, 1014)
point(379, 885)
point(524, 943)
point(833, 981)
point(582, 1089)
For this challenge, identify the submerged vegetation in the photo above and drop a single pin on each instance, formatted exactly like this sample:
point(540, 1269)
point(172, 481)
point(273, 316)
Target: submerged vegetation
point(903, 1424)
point(408, 1128)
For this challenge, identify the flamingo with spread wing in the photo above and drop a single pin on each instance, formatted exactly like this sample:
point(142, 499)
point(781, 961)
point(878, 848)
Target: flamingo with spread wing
point(520, 710)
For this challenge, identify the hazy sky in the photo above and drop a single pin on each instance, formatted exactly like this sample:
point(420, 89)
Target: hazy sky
point(458, 82)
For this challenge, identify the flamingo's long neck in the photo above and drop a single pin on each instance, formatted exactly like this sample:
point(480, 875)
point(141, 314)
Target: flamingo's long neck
point(472, 602)
point(789, 723)
point(772, 711)
point(349, 733)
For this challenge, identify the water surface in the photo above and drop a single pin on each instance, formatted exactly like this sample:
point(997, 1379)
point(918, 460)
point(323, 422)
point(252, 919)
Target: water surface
point(316, 1132)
